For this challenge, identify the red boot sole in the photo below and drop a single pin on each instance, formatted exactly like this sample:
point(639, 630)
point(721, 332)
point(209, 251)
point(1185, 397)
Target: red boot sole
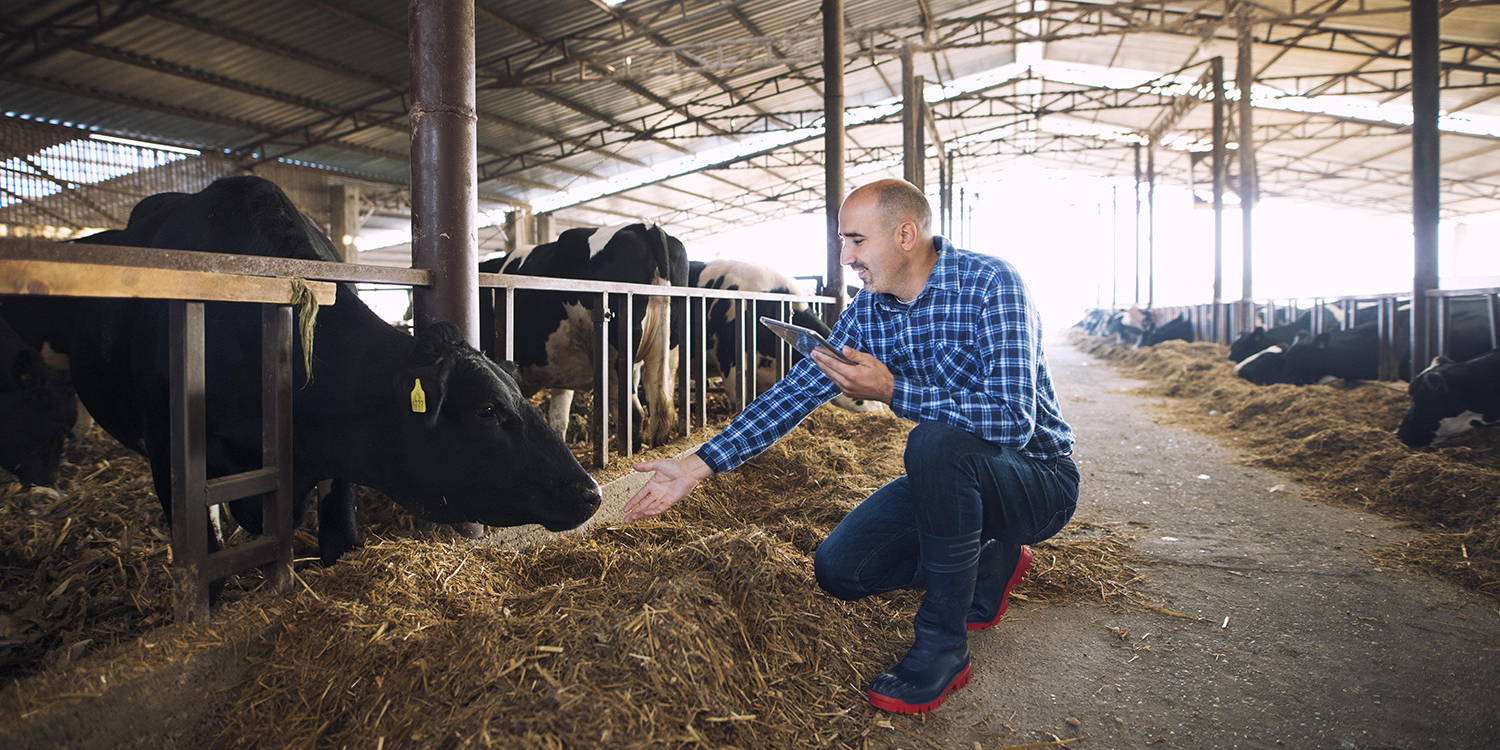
point(1023, 565)
point(887, 703)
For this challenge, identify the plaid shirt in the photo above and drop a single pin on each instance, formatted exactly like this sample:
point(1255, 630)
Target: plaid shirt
point(966, 352)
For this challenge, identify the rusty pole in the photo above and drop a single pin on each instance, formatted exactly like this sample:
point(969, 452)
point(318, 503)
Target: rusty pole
point(444, 202)
point(1426, 175)
point(833, 148)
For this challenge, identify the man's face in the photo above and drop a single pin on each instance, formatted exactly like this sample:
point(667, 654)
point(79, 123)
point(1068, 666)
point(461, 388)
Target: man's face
point(869, 248)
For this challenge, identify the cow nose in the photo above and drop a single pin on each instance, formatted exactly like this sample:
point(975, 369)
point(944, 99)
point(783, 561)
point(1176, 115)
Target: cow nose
point(590, 494)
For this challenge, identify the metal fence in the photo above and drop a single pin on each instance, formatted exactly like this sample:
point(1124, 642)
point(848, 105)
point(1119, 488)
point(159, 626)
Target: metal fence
point(1224, 322)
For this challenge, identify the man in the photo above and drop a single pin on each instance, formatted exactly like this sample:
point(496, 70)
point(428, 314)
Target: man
point(950, 340)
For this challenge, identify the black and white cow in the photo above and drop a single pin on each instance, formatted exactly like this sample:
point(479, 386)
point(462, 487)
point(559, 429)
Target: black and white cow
point(719, 335)
point(554, 345)
point(1449, 398)
point(1177, 329)
point(1353, 353)
point(478, 453)
point(36, 411)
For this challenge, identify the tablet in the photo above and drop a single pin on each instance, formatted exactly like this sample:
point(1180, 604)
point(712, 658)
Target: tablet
point(802, 339)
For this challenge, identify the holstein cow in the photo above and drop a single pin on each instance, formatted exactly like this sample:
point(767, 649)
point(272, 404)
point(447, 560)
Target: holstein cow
point(719, 335)
point(1177, 329)
point(554, 344)
point(1449, 398)
point(36, 411)
point(1353, 353)
point(1285, 334)
point(475, 452)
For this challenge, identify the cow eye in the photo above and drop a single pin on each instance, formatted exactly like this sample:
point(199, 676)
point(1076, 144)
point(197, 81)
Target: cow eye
point(488, 413)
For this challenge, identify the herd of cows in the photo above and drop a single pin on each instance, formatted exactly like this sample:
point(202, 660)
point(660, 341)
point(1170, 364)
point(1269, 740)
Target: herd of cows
point(1452, 395)
point(477, 452)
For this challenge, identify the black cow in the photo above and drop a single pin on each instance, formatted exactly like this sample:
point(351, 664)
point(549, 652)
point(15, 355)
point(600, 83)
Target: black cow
point(1353, 353)
point(1177, 329)
point(1263, 338)
point(36, 411)
point(478, 453)
point(554, 331)
point(722, 316)
point(1449, 398)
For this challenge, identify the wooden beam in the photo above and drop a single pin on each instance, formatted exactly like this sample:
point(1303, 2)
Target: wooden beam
point(40, 277)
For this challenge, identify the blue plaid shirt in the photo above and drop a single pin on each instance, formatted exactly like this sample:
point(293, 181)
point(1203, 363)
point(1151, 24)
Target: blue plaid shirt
point(966, 352)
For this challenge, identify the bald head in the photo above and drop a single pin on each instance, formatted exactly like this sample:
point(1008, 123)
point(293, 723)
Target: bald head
point(898, 201)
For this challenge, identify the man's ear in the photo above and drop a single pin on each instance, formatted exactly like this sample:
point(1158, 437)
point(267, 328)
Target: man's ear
point(906, 234)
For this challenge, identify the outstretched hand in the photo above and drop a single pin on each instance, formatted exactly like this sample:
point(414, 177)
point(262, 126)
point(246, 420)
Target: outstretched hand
point(674, 478)
point(868, 378)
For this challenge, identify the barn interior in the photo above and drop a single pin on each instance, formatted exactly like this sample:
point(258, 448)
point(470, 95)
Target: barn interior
point(708, 116)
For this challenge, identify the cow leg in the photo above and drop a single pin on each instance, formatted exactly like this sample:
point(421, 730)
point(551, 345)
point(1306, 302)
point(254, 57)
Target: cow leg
point(559, 410)
point(338, 521)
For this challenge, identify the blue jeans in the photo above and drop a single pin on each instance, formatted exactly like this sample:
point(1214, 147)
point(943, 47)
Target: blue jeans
point(956, 483)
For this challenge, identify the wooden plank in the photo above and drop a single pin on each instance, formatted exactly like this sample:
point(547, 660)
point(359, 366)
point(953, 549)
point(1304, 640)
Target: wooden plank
point(91, 280)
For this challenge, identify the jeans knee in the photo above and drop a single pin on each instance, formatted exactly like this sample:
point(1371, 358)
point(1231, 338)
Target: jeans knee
point(931, 443)
point(835, 580)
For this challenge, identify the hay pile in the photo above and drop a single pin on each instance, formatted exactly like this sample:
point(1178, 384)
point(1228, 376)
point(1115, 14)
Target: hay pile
point(703, 626)
point(1339, 440)
point(85, 566)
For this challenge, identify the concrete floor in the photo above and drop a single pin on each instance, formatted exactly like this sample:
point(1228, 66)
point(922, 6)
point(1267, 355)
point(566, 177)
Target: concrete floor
point(1302, 642)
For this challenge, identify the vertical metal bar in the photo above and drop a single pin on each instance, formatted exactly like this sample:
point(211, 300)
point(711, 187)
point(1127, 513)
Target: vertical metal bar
point(682, 331)
point(833, 148)
point(444, 188)
point(510, 330)
point(189, 458)
point(276, 436)
point(783, 355)
point(1151, 224)
point(1216, 67)
point(1136, 298)
point(744, 351)
point(1426, 172)
point(1440, 346)
point(1494, 315)
point(601, 381)
point(1385, 316)
point(625, 398)
point(700, 345)
point(911, 120)
point(1244, 80)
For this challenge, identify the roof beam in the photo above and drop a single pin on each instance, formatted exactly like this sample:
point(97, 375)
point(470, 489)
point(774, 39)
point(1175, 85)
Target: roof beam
point(78, 22)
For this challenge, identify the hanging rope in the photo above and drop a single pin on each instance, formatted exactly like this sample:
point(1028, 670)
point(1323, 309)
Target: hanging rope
point(306, 305)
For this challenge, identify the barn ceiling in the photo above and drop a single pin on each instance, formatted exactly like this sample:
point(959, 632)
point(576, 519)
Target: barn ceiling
point(702, 113)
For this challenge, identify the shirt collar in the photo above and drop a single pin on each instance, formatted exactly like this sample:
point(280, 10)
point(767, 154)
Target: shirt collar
point(945, 275)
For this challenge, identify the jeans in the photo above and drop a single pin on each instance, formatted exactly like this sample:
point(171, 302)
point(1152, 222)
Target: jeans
point(956, 483)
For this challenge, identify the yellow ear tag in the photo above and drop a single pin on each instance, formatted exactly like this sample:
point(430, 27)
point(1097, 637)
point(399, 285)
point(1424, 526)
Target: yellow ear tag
point(418, 399)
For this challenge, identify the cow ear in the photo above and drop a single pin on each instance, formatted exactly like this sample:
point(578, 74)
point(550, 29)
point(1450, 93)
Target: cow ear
point(421, 391)
point(1436, 383)
point(510, 369)
point(1321, 340)
point(1259, 330)
point(25, 367)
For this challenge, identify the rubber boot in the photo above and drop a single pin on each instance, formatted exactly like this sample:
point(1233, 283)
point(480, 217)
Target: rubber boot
point(1001, 568)
point(938, 662)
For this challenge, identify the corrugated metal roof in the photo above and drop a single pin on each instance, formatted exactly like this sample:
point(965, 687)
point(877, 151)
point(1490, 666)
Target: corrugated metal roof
point(574, 92)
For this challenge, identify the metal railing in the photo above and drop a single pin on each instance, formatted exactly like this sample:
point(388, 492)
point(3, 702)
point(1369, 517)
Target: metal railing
point(1226, 321)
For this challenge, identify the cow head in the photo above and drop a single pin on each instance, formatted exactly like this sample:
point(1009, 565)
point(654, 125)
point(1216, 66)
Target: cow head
point(1264, 367)
point(1436, 410)
point(471, 448)
point(1247, 344)
point(1305, 360)
point(37, 409)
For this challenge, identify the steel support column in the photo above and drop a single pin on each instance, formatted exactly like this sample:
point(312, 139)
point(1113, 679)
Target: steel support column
point(1220, 332)
point(444, 203)
point(1244, 80)
point(833, 149)
point(913, 147)
point(1136, 297)
point(1151, 224)
point(1425, 173)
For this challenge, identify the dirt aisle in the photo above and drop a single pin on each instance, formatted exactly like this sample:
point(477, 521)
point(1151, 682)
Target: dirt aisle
point(1296, 639)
